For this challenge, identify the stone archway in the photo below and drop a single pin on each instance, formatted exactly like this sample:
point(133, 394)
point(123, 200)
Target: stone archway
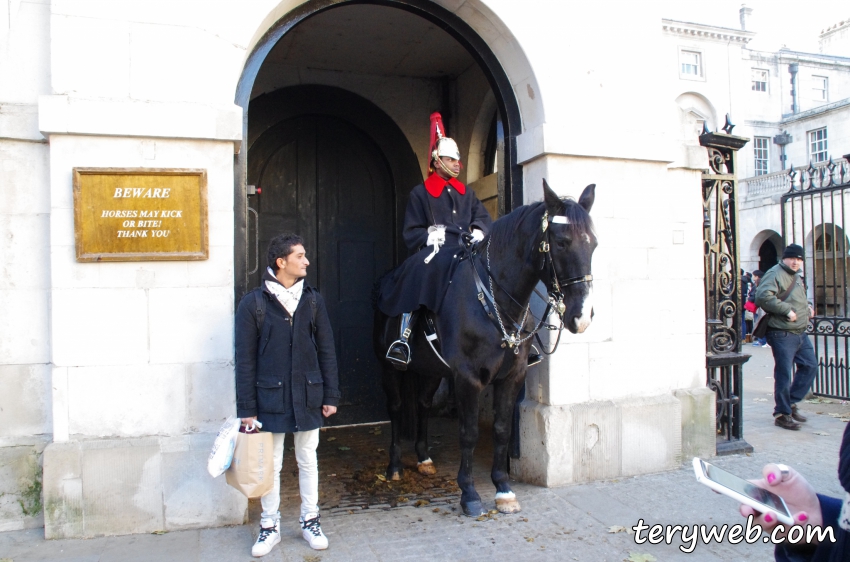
point(766, 245)
point(266, 98)
point(472, 24)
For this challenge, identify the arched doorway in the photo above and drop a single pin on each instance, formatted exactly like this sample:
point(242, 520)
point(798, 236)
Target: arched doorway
point(768, 255)
point(329, 178)
point(448, 23)
point(321, 96)
point(325, 179)
point(763, 250)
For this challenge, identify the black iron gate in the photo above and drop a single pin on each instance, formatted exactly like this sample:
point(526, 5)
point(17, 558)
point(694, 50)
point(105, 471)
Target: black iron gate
point(814, 213)
point(723, 358)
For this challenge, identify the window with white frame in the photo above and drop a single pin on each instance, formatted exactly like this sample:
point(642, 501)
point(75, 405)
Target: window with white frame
point(817, 145)
point(690, 63)
point(762, 154)
point(820, 90)
point(759, 80)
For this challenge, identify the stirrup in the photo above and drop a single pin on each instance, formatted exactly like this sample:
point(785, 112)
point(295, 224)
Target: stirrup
point(534, 358)
point(399, 355)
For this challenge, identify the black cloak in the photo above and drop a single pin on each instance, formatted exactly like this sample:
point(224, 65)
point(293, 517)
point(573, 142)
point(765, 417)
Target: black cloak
point(415, 283)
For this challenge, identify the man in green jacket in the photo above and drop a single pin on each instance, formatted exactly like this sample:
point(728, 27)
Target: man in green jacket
point(787, 337)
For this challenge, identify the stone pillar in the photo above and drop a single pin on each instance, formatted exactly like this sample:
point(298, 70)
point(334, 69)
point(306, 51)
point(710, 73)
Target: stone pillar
point(628, 396)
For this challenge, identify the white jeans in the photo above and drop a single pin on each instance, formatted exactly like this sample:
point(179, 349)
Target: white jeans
point(308, 476)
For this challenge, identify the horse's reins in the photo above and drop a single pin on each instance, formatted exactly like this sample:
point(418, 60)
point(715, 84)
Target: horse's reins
point(555, 300)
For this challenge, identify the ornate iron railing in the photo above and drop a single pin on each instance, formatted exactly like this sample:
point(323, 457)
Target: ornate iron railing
point(723, 301)
point(814, 212)
point(822, 176)
point(780, 183)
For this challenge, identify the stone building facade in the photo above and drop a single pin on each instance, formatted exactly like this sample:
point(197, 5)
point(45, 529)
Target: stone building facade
point(793, 106)
point(116, 375)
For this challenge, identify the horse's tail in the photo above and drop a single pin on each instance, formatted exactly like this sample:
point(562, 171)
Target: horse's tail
point(409, 416)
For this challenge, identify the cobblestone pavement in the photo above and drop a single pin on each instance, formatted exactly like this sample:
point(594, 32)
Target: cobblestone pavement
point(570, 523)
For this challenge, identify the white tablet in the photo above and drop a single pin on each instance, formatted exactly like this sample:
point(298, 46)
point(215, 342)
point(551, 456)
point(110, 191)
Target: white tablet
point(745, 492)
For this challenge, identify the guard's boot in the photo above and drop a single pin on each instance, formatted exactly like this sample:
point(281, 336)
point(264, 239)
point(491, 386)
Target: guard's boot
point(399, 352)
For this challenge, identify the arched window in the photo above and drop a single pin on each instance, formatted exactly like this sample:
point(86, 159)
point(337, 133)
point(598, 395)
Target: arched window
point(826, 244)
point(831, 272)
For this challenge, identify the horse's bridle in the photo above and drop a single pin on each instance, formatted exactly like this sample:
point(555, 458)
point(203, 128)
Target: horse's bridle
point(556, 295)
point(554, 302)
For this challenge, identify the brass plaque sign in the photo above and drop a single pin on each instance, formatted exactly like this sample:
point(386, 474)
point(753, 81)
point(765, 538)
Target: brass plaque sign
point(140, 214)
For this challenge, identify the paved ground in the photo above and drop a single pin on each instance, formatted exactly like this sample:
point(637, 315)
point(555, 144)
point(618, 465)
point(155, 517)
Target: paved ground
point(570, 523)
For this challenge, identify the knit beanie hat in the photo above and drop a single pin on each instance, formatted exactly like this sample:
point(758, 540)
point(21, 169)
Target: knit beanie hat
point(793, 251)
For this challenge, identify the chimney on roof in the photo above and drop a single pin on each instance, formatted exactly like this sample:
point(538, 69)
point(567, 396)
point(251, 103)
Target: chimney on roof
point(745, 13)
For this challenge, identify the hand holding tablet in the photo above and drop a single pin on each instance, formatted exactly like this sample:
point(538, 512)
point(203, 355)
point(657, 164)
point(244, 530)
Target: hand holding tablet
point(799, 500)
point(757, 498)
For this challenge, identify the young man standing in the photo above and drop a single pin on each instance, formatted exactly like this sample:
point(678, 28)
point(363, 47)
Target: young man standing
point(286, 377)
point(786, 334)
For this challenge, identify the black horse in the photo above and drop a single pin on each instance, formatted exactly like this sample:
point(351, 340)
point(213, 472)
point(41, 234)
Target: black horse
point(551, 241)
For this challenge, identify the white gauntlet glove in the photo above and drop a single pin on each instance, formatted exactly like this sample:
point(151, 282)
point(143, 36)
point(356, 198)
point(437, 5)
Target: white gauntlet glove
point(436, 238)
point(477, 235)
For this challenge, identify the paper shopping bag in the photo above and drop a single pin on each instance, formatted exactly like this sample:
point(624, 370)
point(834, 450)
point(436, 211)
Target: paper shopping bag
point(252, 468)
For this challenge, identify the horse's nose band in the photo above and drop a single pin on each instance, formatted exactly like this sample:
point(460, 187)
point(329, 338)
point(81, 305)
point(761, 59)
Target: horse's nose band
point(577, 280)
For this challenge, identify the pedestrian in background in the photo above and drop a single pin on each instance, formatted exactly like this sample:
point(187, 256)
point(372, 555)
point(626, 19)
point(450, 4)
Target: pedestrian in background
point(286, 376)
point(751, 298)
point(782, 293)
point(746, 319)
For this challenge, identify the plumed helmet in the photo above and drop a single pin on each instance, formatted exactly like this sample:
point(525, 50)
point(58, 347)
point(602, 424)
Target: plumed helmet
point(447, 147)
point(441, 145)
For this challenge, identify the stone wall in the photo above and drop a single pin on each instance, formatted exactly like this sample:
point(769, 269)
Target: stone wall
point(25, 408)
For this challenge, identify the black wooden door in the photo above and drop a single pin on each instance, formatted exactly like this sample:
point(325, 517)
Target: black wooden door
point(325, 180)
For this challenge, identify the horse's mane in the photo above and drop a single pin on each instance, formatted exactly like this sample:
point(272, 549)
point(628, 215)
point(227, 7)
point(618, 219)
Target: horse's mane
point(579, 220)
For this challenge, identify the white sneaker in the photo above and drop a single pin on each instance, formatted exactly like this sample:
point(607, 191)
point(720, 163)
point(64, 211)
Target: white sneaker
point(311, 530)
point(266, 540)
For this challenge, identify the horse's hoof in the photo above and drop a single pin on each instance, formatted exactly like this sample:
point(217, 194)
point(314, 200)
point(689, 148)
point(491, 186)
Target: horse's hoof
point(395, 476)
point(426, 467)
point(506, 503)
point(473, 509)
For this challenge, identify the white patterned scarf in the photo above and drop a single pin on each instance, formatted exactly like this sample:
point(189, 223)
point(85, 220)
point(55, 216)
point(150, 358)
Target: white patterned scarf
point(287, 297)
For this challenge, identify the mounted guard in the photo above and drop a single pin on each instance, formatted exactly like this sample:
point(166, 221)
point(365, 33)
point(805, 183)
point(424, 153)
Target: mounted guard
point(442, 216)
point(485, 327)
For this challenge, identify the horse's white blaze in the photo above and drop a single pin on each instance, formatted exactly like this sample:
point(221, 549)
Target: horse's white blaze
point(505, 496)
point(583, 321)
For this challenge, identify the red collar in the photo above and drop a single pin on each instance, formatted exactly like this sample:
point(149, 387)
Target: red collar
point(435, 184)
